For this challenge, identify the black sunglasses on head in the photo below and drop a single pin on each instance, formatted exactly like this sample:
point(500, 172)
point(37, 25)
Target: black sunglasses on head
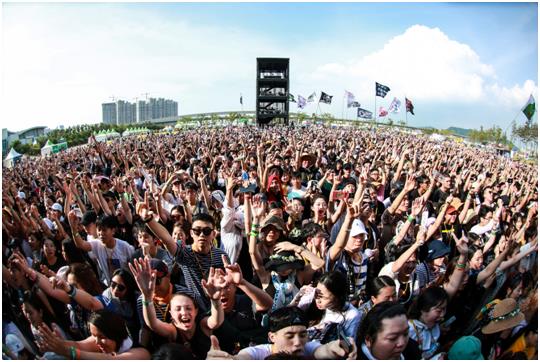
point(204, 231)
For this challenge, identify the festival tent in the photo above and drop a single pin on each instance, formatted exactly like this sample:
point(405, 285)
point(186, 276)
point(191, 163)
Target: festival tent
point(12, 158)
point(134, 131)
point(105, 135)
point(51, 148)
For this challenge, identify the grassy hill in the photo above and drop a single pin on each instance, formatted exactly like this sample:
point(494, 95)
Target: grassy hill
point(459, 131)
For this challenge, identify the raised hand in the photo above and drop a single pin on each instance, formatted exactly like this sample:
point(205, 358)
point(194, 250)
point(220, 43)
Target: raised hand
point(417, 206)
point(234, 272)
point(213, 286)
point(421, 236)
point(143, 210)
point(51, 342)
point(410, 183)
point(354, 210)
point(258, 207)
point(144, 276)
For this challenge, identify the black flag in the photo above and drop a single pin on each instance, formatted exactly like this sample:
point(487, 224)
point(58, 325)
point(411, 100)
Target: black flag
point(409, 106)
point(381, 90)
point(364, 113)
point(325, 98)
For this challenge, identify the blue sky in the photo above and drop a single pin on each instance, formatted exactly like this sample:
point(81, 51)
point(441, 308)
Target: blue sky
point(462, 64)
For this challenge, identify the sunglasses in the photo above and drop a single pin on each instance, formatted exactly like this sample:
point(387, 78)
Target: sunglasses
point(204, 231)
point(120, 287)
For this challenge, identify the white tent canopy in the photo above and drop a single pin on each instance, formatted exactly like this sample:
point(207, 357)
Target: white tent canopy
point(11, 157)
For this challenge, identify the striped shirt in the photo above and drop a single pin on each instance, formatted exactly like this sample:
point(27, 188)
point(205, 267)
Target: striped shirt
point(196, 267)
point(359, 271)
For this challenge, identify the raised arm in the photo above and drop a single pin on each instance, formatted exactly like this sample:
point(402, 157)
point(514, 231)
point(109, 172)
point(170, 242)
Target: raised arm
point(159, 230)
point(353, 211)
point(146, 281)
point(409, 186)
point(256, 258)
point(459, 271)
point(79, 241)
point(404, 257)
point(213, 287)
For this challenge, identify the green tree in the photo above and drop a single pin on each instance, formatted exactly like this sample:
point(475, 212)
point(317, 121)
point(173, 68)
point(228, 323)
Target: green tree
point(528, 133)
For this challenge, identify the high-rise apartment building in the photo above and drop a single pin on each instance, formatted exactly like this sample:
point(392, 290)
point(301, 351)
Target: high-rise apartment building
point(157, 108)
point(109, 113)
point(122, 112)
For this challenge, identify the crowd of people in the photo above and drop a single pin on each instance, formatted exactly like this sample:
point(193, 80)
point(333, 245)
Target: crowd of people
point(270, 243)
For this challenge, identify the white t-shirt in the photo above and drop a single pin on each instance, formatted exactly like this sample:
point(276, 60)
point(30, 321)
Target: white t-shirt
point(262, 351)
point(387, 270)
point(119, 256)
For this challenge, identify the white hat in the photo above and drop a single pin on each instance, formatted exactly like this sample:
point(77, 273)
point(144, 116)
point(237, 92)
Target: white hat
point(78, 212)
point(14, 344)
point(57, 207)
point(357, 228)
point(219, 196)
point(21, 195)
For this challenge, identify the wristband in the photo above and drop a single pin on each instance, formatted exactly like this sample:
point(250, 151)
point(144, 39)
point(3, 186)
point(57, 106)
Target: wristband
point(72, 352)
point(254, 234)
point(147, 220)
point(461, 266)
point(146, 302)
point(410, 218)
point(78, 353)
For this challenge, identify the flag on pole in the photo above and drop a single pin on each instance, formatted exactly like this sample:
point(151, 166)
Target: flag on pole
point(350, 99)
point(394, 106)
point(355, 104)
point(325, 98)
point(291, 98)
point(382, 112)
point(301, 102)
point(311, 98)
point(381, 90)
point(409, 106)
point(241, 102)
point(364, 113)
point(529, 108)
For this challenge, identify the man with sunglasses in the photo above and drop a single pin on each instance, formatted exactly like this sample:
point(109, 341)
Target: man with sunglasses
point(194, 260)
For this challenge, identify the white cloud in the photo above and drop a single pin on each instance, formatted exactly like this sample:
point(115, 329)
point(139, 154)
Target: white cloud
point(426, 65)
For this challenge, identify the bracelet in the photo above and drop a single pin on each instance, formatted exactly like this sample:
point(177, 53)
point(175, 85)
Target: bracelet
point(255, 226)
point(461, 266)
point(146, 302)
point(72, 352)
point(147, 220)
point(76, 235)
point(410, 218)
point(254, 234)
point(78, 353)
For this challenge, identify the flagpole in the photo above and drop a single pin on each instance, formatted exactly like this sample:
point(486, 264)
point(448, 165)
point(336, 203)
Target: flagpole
point(406, 121)
point(342, 108)
point(375, 110)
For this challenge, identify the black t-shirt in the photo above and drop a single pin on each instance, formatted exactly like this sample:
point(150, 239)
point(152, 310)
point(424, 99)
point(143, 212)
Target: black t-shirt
point(241, 327)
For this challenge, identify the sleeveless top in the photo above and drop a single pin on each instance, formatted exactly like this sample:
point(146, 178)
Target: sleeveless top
point(199, 344)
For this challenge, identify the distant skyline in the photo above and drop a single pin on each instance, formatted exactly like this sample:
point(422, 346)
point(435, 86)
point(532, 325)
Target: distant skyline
point(462, 64)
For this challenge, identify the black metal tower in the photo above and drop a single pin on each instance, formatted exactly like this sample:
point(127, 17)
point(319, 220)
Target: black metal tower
point(272, 90)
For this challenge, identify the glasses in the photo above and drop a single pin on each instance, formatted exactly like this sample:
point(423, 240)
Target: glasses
point(204, 231)
point(120, 287)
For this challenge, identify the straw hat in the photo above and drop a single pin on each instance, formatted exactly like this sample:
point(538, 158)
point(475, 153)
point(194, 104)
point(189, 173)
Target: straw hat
point(504, 315)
